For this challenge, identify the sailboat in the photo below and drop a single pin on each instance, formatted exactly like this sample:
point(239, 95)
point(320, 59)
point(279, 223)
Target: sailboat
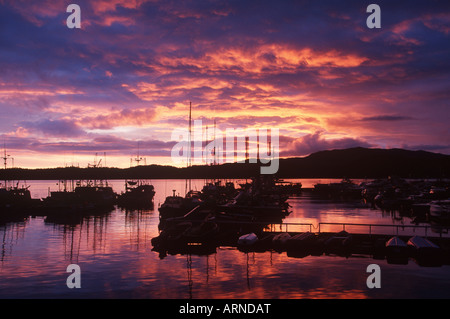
point(12, 196)
point(176, 205)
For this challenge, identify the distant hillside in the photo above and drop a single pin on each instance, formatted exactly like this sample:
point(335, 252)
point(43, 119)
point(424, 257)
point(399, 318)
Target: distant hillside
point(351, 163)
point(368, 163)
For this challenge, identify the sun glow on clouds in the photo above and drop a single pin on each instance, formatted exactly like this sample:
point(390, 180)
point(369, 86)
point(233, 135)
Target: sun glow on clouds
point(129, 74)
point(270, 58)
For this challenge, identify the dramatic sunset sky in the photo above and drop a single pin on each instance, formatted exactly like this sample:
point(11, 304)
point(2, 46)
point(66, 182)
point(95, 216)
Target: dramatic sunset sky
point(310, 68)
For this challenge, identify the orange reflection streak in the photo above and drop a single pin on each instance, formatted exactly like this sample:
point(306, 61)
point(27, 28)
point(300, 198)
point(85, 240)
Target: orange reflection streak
point(218, 275)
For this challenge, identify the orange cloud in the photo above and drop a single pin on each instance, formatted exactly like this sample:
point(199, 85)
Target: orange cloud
point(268, 58)
point(125, 117)
point(5, 92)
point(102, 6)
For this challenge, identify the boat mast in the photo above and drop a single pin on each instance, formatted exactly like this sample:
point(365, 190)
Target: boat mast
point(190, 141)
point(138, 159)
point(5, 161)
point(5, 158)
point(214, 150)
point(190, 134)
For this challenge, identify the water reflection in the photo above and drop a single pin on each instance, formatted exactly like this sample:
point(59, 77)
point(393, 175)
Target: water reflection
point(117, 258)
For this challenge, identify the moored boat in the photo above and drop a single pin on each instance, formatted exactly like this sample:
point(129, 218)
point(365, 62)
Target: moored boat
point(279, 241)
point(440, 210)
point(16, 199)
point(301, 245)
point(247, 239)
point(424, 251)
point(137, 194)
point(339, 244)
point(175, 205)
point(203, 233)
point(87, 197)
point(300, 241)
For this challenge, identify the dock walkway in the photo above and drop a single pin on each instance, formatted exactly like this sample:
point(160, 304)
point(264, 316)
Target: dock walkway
point(359, 239)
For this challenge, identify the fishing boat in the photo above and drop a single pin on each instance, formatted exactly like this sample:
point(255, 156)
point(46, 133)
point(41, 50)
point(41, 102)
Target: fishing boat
point(138, 194)
point(87, 196)
point(90, 195)
point(260, 200)
point(440, 210)
point(344, 189)
point(64, 200)
point(396, 251)
point(203, 233)
point(186, 238)
point(16, 199)
point(281, 186)
point(175, 205)
point(171, 236)
point(216, 193)
point(99, 195)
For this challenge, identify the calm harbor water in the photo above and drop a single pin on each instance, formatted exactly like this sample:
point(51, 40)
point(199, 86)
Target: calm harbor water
point(114, 252)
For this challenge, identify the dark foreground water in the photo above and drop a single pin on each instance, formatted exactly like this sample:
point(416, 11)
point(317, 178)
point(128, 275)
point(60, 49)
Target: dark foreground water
point(116, 260)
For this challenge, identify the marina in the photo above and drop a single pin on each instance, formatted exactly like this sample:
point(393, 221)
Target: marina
point(135, 253)
point(225, 150)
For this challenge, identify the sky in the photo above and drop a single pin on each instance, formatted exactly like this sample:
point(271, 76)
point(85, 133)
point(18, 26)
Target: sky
point(122, 83)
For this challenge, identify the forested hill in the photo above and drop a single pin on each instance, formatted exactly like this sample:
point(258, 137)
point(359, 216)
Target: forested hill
point(351, 163)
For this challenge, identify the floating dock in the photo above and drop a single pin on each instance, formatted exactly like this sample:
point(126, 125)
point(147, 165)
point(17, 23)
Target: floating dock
point(426, 249)
point(427, 245)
